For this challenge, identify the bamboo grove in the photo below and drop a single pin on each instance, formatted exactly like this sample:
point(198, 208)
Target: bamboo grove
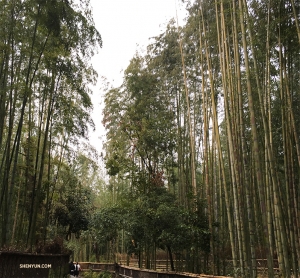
point(45, 72)
point(211, 112)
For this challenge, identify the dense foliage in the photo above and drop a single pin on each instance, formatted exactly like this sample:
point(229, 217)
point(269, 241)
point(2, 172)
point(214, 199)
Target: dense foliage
point(202, 148)
point(45, 105)
point(209, 113)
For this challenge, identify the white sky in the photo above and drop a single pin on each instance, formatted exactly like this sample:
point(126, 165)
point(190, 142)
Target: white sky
point(125, 27)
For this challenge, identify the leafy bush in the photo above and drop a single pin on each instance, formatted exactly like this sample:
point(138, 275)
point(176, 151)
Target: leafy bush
point(91, 274)
point(105, 275)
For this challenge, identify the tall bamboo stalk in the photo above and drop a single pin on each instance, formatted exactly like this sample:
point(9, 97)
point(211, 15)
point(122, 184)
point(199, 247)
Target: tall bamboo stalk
point(243, 15)
point(190, 126)
point(229, 117)
point(218, 142)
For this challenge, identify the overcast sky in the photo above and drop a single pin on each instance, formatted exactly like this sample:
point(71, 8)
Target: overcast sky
point(125, 27)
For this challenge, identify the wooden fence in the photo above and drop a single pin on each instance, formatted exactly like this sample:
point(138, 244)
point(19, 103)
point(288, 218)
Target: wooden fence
point(130, 272)
point(133, 272)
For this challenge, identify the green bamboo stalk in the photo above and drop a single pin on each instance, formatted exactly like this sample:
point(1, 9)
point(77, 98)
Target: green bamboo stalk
point(191, 132)
point(217, 136)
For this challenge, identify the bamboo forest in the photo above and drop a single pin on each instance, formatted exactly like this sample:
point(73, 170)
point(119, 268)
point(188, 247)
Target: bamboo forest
point(200, 165)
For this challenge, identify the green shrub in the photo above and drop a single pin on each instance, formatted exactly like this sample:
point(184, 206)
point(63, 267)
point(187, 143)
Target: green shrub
point(91, 274)
point(105, 275)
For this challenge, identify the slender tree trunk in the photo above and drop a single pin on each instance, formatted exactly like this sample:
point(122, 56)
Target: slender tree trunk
point(220, 155)
point(190, 126)
point(258, 164)
point(296, 19)
point(37, 198)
